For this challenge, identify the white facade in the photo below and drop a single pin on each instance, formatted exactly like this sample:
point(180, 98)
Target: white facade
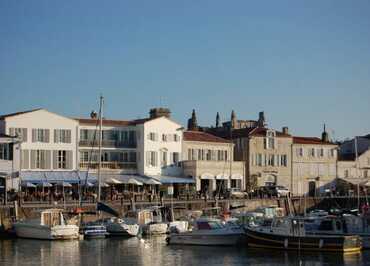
point(49, 141)
point(160, 147)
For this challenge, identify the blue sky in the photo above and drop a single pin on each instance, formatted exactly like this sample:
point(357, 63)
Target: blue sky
point(302, 62)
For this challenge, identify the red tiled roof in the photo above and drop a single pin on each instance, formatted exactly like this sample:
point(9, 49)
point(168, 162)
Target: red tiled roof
point(110, 122)
point(18, 113)
point(310, 140)
point(203, 137)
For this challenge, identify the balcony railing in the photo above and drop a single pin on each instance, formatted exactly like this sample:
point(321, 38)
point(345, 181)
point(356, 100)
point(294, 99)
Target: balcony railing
point(108, 165)
point(108, 144)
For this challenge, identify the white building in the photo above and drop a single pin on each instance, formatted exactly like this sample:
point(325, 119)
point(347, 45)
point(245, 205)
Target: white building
point(58, 147)
point(49, 141)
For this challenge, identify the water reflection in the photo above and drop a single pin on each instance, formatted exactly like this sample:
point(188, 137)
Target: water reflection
point(154, 251)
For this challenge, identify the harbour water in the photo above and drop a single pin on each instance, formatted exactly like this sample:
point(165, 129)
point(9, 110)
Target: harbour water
point(154, 251)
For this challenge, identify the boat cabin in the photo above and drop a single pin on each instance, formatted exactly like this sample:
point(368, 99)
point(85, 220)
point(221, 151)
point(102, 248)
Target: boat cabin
point(52, 217)
point(208, 224)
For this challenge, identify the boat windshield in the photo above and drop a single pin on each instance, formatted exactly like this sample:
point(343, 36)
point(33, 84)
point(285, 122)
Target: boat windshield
point(209, 225)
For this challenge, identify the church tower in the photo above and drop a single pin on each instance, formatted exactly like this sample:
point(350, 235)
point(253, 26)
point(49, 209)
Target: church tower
point(233, 119)
point(217, 120)
point(192, 122)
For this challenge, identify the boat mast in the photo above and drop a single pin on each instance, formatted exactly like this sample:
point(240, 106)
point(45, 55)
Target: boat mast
point(358, 176)
point(100, 144)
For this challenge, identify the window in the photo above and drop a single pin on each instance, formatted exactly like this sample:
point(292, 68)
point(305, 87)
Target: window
point(346, 173)
point(321, 152)
point(163, 158)
point(164, 137)
point(366, 174)
point(332, 153)
point(151, 158)
point(270, 140)
point(132, 157)
point(84, 156)
point(175, 157)
point(176, 137)
point(38, 159)
point(209, 155)
point(299, 152)
point(312, 152)
point(259, 159)
point(152, 136)
point(62, 136)
point(283, 160)
point(20, 132)
point(62, 162)
point(271, 160)
point(4, 151)
point(84, 134)
point(200, 154)
point(40, 135)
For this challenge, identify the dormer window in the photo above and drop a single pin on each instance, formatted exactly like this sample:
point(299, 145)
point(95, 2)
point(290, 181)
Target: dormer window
point(270, 140)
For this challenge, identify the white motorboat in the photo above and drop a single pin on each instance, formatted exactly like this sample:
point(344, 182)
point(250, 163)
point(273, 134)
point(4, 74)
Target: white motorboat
point(122, 227)
point(50, 226)
point(94, 231)
point(209, 232)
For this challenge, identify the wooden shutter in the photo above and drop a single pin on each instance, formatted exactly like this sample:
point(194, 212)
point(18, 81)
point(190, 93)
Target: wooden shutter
point(56, 136)
point(25, 159)
point(24, 134)
point(69, 136)
point(69, 159)
point(34, 132)
point(47, 156)
point(47, 135)
point(12, 131)
point(33, 159)
point(55, 159)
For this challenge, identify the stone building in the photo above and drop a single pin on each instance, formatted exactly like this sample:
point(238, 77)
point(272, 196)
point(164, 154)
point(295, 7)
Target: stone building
point(209, 160)
point(314, 165)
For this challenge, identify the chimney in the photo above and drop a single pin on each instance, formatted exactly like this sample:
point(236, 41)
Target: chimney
point(286, 130)
point(261, 119)
point(160, 111)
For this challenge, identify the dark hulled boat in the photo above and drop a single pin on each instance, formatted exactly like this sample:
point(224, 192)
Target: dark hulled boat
point(289, 233)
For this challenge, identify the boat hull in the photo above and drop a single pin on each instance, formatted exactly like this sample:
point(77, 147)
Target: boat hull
point(155, 229)
point(123, 230)
point(204, 239)
point(58, 232)
point(262, 239)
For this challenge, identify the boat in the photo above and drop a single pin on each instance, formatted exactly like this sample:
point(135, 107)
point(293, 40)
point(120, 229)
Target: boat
point(122, 227)
point(94, 231)
point(288, 233)
point(208, 232)
point(51, 226)
point(152, 221)
point(347, 224)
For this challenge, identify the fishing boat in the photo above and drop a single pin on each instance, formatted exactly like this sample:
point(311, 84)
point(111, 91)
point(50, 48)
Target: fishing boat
point(347, 224)
point(51, 226)
point(208, 232)
point(152, 221)
point(289, 233)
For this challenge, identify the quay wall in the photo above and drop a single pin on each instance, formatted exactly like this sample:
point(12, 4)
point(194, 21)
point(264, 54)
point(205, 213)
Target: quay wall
point(32, 210)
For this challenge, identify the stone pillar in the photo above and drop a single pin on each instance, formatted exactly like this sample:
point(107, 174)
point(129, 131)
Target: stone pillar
point(213, 184)
point(197, 180)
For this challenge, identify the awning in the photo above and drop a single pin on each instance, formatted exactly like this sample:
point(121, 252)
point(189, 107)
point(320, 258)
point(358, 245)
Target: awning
point(222, 176)
point(113, 181)
point(66, 184)
point(152, 182)
point(29, 184)
point(45, 184)
point(236, 176)
point(207, 176)
point(133, 181)
point(173, 179)
point(72, 177)
point(355, 181)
